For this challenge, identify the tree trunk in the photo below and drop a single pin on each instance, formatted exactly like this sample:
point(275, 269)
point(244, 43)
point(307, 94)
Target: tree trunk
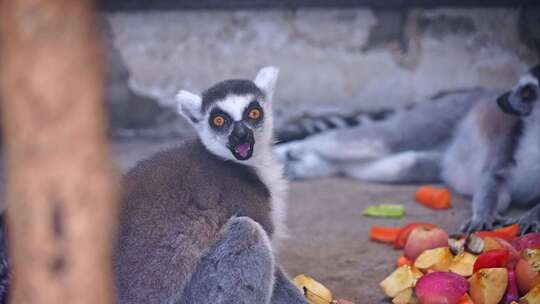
point(62, 187)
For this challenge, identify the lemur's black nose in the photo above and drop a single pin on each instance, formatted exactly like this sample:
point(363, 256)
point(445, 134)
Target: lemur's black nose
point(240, 132)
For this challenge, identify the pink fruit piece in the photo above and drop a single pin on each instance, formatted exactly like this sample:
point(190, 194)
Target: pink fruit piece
point(531, 240)
point(511, 293)
point(441, 287)
point(422, 239)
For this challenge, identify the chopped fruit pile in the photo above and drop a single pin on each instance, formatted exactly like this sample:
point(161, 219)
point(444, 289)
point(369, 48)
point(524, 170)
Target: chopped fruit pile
point(487, 267)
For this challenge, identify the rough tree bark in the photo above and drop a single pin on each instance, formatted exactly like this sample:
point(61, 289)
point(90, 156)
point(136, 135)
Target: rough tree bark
point(62, 188)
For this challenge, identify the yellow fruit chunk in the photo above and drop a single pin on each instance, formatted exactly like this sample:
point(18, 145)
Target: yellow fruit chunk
point(315, 292)
point(438, 259)
point(463, 264)
point(532, 297)
point(402, 278)
point(487, 286)
point(405, 297)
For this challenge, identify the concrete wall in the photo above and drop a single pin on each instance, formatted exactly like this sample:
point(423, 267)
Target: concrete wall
point(334, 57)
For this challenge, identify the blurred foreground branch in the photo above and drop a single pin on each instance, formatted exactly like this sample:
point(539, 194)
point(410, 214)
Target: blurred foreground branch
point(62, 188)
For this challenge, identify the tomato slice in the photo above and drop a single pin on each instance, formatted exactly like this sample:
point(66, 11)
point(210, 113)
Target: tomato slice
point(508, 233)
point(491, 259)
point(403, 235)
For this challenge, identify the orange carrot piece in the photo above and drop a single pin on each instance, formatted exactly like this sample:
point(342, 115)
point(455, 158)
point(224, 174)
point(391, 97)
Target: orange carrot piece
point(435, 198)
point(384, 234)
point(466, 299)
point(402, 260)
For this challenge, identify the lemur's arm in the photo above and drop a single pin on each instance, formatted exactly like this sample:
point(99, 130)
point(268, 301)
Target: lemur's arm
point(489, 196)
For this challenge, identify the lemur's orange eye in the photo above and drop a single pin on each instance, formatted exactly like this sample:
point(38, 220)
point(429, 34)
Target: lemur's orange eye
point(254, 114)
point(526, 93)
point(218, 121)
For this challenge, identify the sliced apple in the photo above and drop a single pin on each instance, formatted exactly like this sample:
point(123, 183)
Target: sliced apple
point(487, 286)
point(532, 297)
point(402, 278)
point(422, 239)
point(493, 243)
point(438, 259)
point(528, 270)
point(315, 292)
point(441, 287)
point(463, 264)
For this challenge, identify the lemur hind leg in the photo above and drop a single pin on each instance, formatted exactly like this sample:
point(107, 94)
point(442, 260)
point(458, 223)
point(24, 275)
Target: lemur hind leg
point(404, 167)
point(238, 268)
point(285, 292)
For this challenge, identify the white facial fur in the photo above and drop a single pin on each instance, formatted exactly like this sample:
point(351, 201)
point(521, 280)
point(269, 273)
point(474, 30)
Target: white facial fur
point(528, 79)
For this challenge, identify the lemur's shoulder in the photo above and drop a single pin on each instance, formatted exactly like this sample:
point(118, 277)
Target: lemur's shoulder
point(189, 177)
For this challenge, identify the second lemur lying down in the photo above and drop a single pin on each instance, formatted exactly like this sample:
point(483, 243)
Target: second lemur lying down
point(199, 222)
point(481, 144)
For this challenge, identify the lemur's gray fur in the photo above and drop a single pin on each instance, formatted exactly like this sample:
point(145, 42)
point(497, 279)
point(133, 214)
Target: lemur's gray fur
point(199, 222)
point(483, 148)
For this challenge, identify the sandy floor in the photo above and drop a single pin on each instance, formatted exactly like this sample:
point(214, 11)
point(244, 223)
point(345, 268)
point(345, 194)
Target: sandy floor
point(328, 234)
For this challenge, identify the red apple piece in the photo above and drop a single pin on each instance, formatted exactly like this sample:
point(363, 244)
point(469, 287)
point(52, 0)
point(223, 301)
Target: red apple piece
point(531, 241)
point(422, 239)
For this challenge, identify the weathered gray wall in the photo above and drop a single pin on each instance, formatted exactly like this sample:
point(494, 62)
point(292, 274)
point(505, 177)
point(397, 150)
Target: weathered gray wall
point(328, 57)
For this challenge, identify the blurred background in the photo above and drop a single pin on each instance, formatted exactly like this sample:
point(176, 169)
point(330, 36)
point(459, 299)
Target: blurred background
point(335, 56)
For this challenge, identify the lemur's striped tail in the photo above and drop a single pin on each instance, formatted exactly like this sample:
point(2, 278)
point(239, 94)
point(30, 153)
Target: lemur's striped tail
point(307, 125)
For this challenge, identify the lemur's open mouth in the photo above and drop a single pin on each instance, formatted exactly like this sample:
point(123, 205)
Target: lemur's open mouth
point(243, 149)
point(241, 142)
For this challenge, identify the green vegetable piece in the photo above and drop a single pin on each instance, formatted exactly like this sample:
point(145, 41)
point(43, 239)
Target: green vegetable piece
point(385, 211)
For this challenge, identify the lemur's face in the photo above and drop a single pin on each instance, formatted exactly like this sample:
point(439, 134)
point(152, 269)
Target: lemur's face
point(233, 118)
point(522, 99)
point(236, 124)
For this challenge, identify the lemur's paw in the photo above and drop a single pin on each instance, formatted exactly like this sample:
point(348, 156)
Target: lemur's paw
point(488, 222)
point(528, 223)
point(300, 163)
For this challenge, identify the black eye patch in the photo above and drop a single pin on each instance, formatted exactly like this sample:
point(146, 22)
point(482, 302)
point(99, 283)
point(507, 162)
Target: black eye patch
point(253, 112)
point(219, 120)
point(528, 93)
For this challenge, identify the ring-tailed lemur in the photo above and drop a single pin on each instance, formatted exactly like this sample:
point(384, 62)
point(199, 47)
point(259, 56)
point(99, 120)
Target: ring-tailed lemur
point(489, 150)
point(198, 221)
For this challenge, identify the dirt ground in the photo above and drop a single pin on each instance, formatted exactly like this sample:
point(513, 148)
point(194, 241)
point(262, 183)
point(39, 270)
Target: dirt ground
point(328, 235)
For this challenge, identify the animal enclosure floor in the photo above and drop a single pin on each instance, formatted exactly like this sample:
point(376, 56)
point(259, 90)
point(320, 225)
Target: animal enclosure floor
point(328, 235)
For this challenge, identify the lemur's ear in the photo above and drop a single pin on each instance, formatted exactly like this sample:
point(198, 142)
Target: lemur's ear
point(189, 105)
point(266, 80)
